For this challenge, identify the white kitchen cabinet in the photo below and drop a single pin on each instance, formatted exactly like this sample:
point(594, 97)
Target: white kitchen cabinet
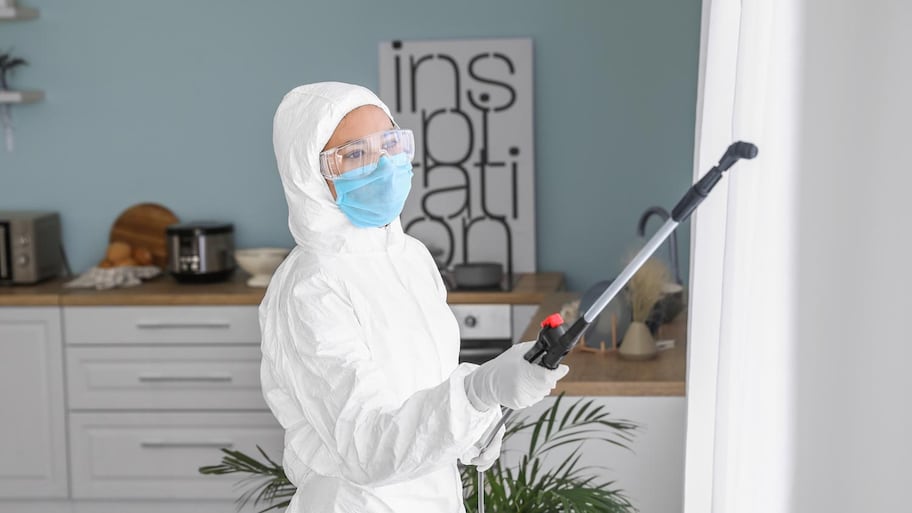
point(32, 409)
point(155, 391)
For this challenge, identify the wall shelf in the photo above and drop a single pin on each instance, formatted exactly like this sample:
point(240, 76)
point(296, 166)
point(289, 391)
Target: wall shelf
point(18, 13)
point(21, 96)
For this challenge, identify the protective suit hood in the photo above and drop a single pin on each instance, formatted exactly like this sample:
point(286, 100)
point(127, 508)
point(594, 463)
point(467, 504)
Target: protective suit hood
point(303, 124)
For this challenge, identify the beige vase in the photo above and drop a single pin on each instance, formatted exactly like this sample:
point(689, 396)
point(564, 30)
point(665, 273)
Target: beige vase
point(638, 343)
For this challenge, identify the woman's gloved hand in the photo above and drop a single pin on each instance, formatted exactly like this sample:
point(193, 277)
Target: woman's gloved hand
point(485, 460)
point(509, 380)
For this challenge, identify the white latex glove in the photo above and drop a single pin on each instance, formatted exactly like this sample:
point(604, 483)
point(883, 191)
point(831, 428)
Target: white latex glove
point(487, 457)
point(509, 380)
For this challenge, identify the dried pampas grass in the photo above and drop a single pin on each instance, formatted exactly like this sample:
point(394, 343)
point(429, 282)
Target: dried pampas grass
point(570, 311)
point(645, 288)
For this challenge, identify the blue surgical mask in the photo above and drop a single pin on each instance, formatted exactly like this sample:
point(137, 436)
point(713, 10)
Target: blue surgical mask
point(372, 196)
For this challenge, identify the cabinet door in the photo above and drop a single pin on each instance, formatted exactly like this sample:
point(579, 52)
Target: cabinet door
point(146, 455)
point(32, 438)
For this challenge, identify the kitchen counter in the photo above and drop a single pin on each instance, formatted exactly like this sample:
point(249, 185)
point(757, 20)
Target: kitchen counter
point(530, 288)
point(44, 294)
point(591, 374)
point(605, 374)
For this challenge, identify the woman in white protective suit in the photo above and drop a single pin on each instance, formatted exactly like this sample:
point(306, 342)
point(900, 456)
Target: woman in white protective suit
point(360, 350)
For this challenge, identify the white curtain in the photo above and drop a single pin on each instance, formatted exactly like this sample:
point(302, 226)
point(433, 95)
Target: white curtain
point(741, 321)
point(799, 347)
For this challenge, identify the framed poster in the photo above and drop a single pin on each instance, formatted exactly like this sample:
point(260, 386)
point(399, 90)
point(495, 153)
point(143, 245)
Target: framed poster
point(469, 103)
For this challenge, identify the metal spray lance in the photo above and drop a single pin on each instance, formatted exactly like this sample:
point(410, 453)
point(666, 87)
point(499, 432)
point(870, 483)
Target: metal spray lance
point(555, 340)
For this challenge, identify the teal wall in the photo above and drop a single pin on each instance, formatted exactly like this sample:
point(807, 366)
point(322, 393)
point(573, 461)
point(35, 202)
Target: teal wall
point(172, 102)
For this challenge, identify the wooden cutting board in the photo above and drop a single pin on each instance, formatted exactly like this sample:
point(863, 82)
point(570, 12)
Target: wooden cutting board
point(144, 225)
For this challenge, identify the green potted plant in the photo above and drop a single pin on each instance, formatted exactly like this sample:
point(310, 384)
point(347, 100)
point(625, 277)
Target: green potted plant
point(7, 64)
point(527, 486)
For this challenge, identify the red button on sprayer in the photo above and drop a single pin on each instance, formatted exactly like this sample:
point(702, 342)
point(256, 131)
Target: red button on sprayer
point(552, 321)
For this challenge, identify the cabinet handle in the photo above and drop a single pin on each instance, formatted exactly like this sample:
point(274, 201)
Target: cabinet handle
point(159, 379)
point(181, 325)
point(471, 321)
point(184, 445)
point(494, 351)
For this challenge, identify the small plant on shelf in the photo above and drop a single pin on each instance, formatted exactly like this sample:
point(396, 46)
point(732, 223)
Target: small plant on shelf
point(8, 63)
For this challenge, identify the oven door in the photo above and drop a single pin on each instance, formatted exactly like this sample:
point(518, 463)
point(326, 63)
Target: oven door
point(485, 330)
point(481, 350)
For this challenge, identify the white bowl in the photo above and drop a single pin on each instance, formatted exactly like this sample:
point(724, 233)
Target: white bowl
point(260, 263)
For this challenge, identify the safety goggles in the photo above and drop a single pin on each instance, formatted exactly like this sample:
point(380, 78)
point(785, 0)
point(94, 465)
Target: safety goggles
point(364, 153)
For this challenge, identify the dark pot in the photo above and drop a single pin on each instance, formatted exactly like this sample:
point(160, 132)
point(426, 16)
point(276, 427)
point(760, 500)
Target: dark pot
point(477, 275)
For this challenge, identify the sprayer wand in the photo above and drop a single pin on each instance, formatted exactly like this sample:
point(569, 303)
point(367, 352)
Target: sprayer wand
point(555, 340)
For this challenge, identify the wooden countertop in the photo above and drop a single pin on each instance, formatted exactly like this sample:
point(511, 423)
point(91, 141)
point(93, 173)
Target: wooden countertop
point(591, 374)
point(530, 288)
point(605, 374)
point(166, 291)
point(43, 294)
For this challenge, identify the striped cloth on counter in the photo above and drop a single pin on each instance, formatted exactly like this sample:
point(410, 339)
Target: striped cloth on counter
point(113, 277)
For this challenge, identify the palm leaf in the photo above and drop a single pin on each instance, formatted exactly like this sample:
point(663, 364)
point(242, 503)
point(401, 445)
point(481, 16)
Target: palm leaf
point(267, 481)
point(550, 416)
point(567, 488)
point(528, 486)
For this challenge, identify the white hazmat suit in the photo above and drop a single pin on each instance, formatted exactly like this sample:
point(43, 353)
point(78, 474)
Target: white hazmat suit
point(359, 348)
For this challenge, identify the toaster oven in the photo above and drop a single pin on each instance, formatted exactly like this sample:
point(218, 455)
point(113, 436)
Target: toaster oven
point(30, 246)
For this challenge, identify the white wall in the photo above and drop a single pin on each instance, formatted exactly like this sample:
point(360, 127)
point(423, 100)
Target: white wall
point(854, 376)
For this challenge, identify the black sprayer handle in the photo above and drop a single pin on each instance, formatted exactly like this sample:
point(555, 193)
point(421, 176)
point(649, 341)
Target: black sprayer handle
point(555, 341)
